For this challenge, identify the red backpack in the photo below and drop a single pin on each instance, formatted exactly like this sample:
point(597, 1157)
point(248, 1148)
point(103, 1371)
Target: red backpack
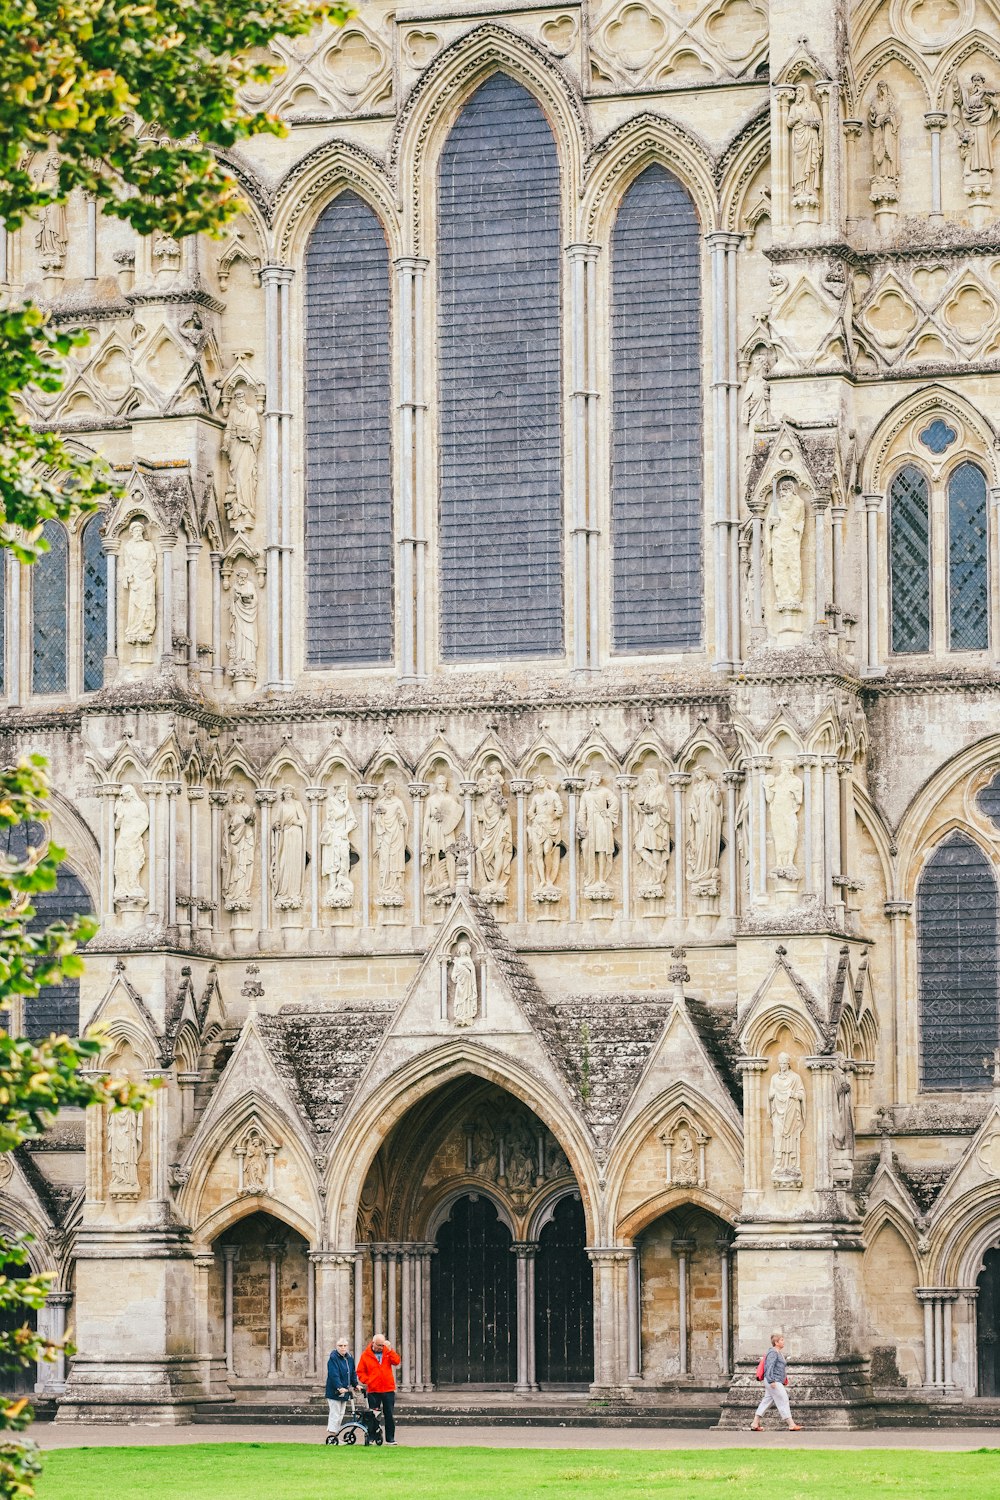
point(760, 1367)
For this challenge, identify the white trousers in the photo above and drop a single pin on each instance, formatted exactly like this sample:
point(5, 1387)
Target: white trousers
point(775, 1395)
point(336, 1415)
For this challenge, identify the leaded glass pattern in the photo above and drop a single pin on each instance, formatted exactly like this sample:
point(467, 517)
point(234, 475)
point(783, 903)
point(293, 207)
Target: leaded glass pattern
point(968, 595)
point(909, 562)
point(348, 510)
point(499, 269)
point(56, 1008)
point(95, 606)
point(957, 937)
point(988, 800)
point(49, 614)
point(938, 436)
point(656, 446)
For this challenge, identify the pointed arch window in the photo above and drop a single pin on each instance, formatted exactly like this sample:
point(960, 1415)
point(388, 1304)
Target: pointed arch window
point(968, 589)
point(95, 605)
point(499, 268)
point(910, 562)
point(959, 975)
point(348, 509)
point(49, 579)
point(656, 443)
point(56, 1007)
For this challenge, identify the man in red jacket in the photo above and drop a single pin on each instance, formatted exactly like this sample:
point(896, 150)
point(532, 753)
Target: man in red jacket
point(375, 1372)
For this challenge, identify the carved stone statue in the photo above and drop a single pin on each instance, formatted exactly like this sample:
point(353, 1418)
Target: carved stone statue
point(843, 1114)
point(255, 1166)
point(139, 582)
point(652, 834)
point(495, 846)
point(239, 844)
point(240, 444)
point(131, 824)
point(124, 1150)
point(597, 820)
point(520, 1162)
point(441, 825)
point(243, 627)
point(783, 791)
point(335, 847)
point(544, 826)
point(391, 825)
point(704, 840)
point(464, 984)
point(975, 113)
point(883, 121)
point(288, 851)
point(51, 240)
point(805, 122)
point(485, 1150)
point(785, 526)
point(786, 1110)
point(684, 1160)
point(755, 408)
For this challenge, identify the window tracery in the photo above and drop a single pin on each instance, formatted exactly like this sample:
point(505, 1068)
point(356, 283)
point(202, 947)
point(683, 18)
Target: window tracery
point(49, 614)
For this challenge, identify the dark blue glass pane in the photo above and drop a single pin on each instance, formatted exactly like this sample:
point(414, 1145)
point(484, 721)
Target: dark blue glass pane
point(909, 562)
point(957, 939)
point(938, 436)
point(95, 606)
point(988, 800)
point(499, 256)
point(348, 522)
point(48, 594)
point(968, 596)
point(57, 1006)
point(656, 448)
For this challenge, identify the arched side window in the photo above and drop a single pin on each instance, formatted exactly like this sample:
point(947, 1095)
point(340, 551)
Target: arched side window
point(910, 562)
point(968, 588)
point(656, 443)
point(957, 937)
point(56, 1008)
point(49, 614)
point(348, 510)
point(95, 605)
point(499, 263)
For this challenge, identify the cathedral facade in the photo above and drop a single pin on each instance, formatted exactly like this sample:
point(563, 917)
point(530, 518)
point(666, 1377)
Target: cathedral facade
point(525, 726)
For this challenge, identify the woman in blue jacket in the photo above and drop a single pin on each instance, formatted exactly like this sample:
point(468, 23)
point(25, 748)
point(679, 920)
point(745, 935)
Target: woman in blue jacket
point(341, 1379)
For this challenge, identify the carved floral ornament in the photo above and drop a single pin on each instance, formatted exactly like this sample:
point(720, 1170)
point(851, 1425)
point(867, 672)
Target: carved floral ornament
point(255, 1151)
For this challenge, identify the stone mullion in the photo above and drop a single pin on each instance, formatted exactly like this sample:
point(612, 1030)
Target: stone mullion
point(521, 790)
point(366, 795)
point(626, 786)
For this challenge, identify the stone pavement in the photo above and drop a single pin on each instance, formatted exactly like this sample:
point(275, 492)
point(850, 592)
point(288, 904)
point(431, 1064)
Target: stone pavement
point(944, 1440)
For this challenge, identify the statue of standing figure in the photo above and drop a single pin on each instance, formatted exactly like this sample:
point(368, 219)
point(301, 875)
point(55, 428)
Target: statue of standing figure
point(239, 843)
point(704, 841)
point(335, 846)
point(495, 846)
point(441, 825)
point(243, 627)
point(131, 825)
point(784, 792)
point(597, 819)
point(52, 240)
point(288, 851)
point(652, 834)
point(240, 443)
point(544, 823)
point(124, 1150)
point(786, 1110)
point(391, 825)
point(883, 121)
point(805, 121)
point(785, 526)
point(975, 113)
point(139, 583)
point(464, 984)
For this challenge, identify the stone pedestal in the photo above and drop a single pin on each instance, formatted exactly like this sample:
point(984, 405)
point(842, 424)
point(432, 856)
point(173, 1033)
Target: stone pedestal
point(241, 932)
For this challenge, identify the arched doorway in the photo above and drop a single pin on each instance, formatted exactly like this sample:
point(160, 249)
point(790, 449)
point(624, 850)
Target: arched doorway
point(564, 1298)
point(988, 1325)
point(264, 1302)
point(474, 1298)
point(19, 1382)
point(686, 1298)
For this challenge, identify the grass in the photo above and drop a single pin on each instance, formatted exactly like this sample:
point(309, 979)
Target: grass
point(289, 1471)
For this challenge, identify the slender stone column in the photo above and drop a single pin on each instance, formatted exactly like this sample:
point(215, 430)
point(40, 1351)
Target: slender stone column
point(193, 550)
point(406, 1349)
point(521, 790)
point(634, 1315)
point(583, 398)
point(831, 828)
point(168, 542)
point(732, 781)
point(229, 1253)
point(378, 1289)
point(52, 1377)
point(573, 786)
point(264, 799)
point(753, 1070)
point(928, 1337)
point(426, 1251)
point(873, 504)
point(13, 623)
point(411, 438)
point(679, 780)
point(173, 790)
point(682, 1249)
point(311, 1314)
point(196, 795)
point(469, 790)
point(366, 795)
point(837, 514)
point(359, 1300)
point(315, 796)
point(626, 786)
point(392, 1256)
point(418, 791)
point(217, 800)
point(111, 648)
point(821, 1069)
point(726, 1284)
point(218, 666)
point(275, 1254)
point(899, 1086)
point(722, 249)
point(758, 813)
point(525, 1250)
point(812, 823)
point(935, 121)
point(108, 793)
point(610, 1311)
point(276, 281)
point(157, 897)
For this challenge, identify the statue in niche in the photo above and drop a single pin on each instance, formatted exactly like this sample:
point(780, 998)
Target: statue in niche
point(743, 834)
point(485, 1150)
point(464, 984)
point(124, 1150)
point(843, 1113)
point(519, 1156)
point(684, 1160)
point(883, 121)
point(556, 1160)
point(495, 847)
point(139, 582)
point(255, 1169)
point(805, 122)
point(704, 840)
point(544, 823)
point(391, 825)
point(597, 820)
point(786, 1110)
point(131, 825)
point(975, 113)
point(785, 526)
point(288, 851)
point(444, 816)
point(335, 849)
point(652, 834)
point(783, 791)
point(52, 239)
point(243, 627)
point(240, 444)
point(755, 408)
point(239, 844)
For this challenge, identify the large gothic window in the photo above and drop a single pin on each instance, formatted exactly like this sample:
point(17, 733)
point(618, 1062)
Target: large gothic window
point(56, 1008)
point(910, 561)
point(348, 512)
point(95, 605)
point(957, 936)
point(499, 256)
point(656, 444)
point(49, 610)
point(968, 595)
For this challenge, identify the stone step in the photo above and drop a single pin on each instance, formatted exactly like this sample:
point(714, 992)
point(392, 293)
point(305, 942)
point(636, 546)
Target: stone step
point(485, 1413)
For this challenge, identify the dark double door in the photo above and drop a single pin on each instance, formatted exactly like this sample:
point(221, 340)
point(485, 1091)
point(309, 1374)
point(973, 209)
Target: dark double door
point(474, 1299)
point(988, 1325)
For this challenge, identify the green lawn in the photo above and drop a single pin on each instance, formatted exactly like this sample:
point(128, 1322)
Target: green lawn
point(288, 1471)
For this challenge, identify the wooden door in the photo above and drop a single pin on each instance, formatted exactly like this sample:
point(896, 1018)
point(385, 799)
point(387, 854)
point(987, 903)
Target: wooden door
point(988, 1325)
point(564, 1299)
point(474, 1299)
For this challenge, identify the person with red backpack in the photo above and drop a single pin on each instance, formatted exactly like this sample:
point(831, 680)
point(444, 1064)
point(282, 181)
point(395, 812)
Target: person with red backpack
point(773, 1371)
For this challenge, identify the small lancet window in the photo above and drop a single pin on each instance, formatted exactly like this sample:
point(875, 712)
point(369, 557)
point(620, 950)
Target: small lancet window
point(95, 606)
point(49, 609)
point(968, 590)
point(910, 562)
